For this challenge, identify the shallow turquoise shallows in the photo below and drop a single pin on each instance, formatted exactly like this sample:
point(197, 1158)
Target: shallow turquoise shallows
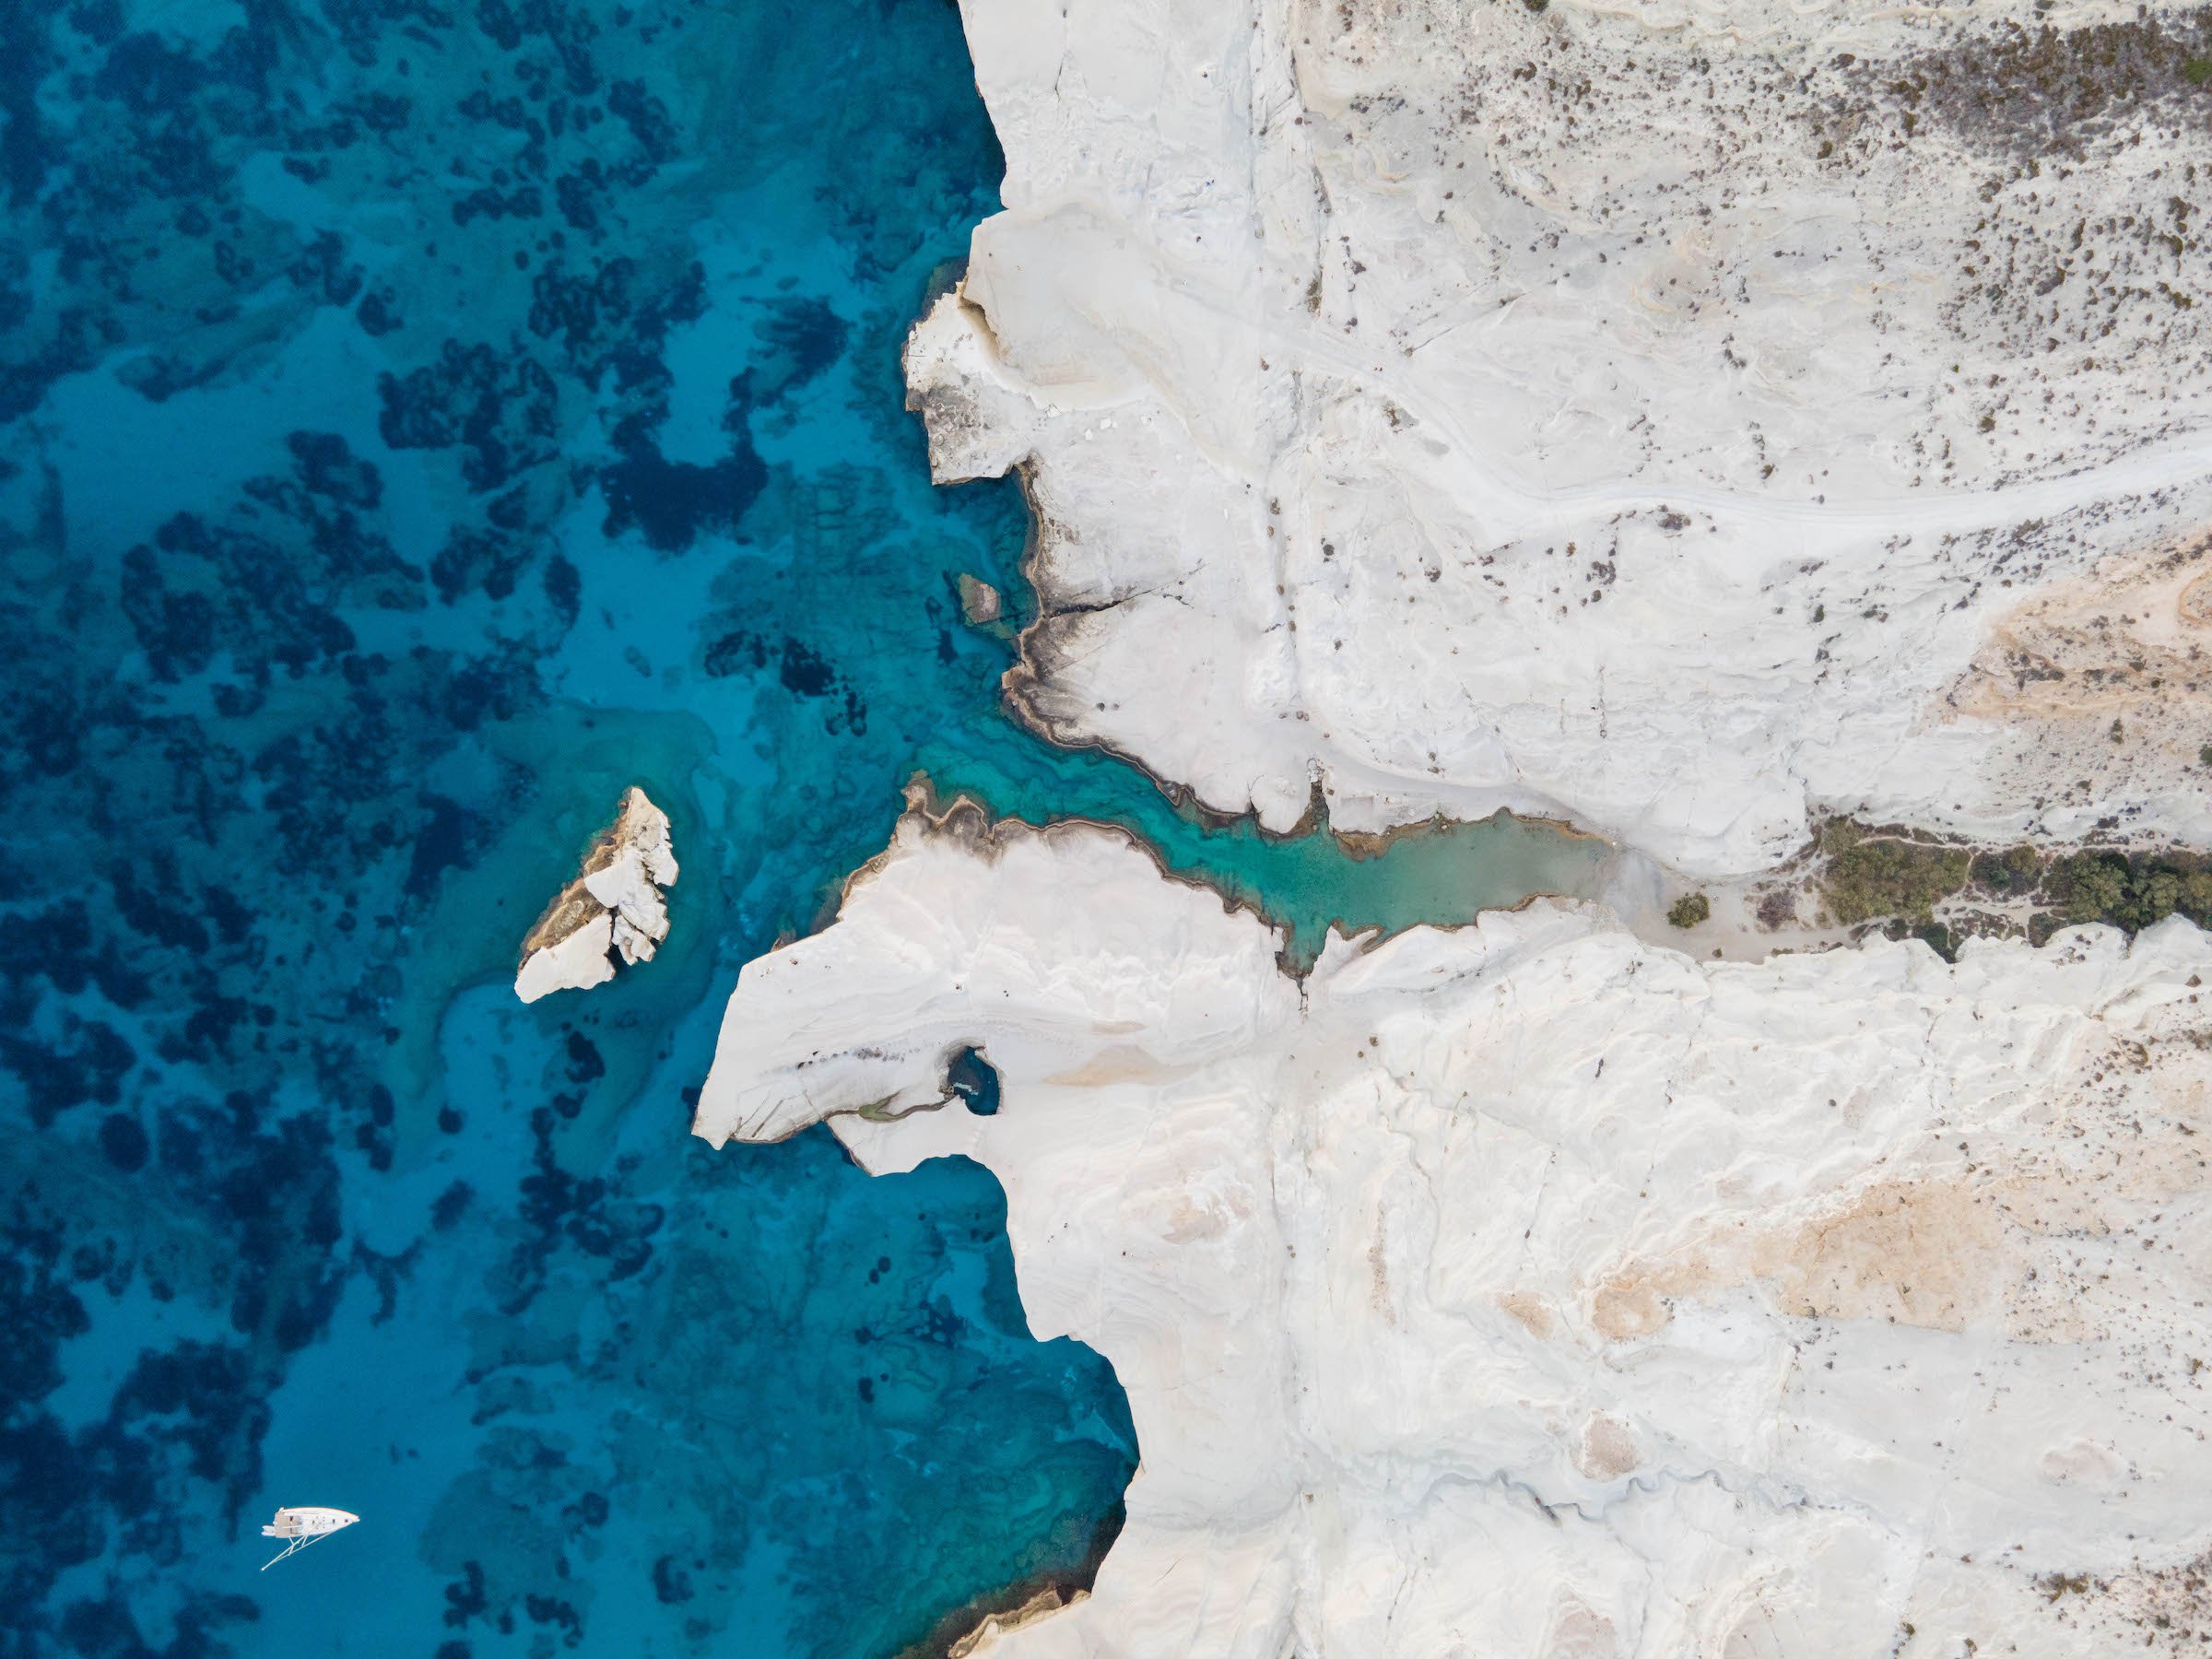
point(419, 420)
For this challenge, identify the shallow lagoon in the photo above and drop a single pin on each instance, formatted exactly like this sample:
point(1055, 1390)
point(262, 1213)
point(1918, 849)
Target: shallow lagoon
point(421, 422)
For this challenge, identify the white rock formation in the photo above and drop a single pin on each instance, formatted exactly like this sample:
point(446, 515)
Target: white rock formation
point(1665, 416)
point(1527, 1289)
point(613, 908)
point(1684, 420)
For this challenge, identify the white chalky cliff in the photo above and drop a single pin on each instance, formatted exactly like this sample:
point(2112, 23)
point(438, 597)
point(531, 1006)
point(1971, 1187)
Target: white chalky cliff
point(1529, 1290)
point(1682, 419)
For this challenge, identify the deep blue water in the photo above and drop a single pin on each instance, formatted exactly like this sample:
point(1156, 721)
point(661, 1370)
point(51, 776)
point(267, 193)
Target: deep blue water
point(419, 422)
point(422, 420)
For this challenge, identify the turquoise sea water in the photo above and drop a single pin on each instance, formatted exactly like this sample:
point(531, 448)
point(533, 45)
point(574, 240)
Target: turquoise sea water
point(417, 421)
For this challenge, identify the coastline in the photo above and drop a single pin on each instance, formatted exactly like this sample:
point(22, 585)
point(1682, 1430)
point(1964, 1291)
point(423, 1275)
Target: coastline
point(1742, 822)
point(965, 1629)
point(1206, 1175)
point(1166, 399)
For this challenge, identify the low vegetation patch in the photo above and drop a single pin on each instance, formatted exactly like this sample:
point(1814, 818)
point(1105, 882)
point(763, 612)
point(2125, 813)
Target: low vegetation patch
point(1890, 878)
point(1870, 876)
point(2130, 891)
point(1689, 910)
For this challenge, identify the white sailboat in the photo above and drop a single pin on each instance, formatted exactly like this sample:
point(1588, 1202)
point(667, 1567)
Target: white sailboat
point(304, 1526)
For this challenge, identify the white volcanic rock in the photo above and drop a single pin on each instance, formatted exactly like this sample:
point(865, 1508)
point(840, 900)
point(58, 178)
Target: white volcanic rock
point(1655, 415)
point(614, 906)
point(1528, 1290)
point(575, 962)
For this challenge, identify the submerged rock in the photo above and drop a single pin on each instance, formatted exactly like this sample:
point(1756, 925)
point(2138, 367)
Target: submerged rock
point(613, 908)
point(981, 603)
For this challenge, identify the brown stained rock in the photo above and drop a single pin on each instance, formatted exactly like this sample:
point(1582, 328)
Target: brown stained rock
point(1606, 1451)
point(638, 919)
point(981, 603)
point(1984, 1239)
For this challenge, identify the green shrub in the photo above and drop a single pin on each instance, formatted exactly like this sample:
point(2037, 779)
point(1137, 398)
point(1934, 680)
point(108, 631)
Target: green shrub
point(1689, 910)
point(1881, 875)
point(2012, 874)
point(2132, 893)
point(2151, 898)
point(1940, 939)
point(1840, 835)
point(2197, 897)
point(1868, 878)
point(2090, 886)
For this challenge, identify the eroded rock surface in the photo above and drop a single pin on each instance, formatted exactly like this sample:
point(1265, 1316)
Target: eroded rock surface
point(1527, 1289)
point(979, 601)
point(613, 910)
point(1680, 418)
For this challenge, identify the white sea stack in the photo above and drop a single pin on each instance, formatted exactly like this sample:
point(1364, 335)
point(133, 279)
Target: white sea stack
point(1527, 1289)
point(613, 908)
point(1681, 419)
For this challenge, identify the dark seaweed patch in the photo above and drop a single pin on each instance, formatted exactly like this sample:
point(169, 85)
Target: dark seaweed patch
point(498, 407)
point(671, 503)
point(283, 707)
point(123, 1142)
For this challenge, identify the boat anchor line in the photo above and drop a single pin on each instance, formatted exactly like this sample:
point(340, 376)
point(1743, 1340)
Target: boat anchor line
point(304, 1526)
